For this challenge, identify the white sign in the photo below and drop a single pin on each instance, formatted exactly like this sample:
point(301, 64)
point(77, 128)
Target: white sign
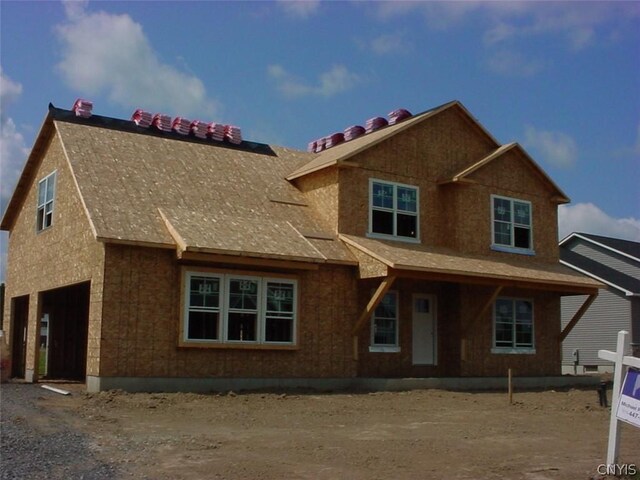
point(622, 364)
point(629, 404)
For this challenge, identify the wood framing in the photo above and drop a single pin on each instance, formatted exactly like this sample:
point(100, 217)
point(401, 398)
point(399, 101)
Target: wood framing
point(292, 243)
point(375, 300)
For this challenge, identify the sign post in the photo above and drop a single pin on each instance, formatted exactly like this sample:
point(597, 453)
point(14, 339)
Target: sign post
point(622, 363)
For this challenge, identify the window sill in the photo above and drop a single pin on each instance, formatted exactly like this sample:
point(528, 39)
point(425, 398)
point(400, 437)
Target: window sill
point(519, 251)
point(382, 236)
point(381, 349)
point(236, 346)
point(513, 351)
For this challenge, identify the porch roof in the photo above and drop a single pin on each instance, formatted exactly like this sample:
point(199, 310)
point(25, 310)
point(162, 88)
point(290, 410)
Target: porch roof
point(429, 263)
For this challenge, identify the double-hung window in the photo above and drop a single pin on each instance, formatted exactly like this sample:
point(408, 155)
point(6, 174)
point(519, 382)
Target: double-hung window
point(384, 325)
point(46, 194)
point(393, 210)
point(239, 309)
point(513, 326)
point(512, 226)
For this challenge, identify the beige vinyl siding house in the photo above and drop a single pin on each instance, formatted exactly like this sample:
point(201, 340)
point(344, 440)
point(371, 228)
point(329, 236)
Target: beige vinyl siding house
point(422, 249)
point(615, 263)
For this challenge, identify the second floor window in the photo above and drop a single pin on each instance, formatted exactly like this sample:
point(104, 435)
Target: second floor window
point(512, 228)
point(393, 210)
point(46, 192)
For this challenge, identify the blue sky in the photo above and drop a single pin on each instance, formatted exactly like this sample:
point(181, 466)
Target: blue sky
point(562, 79)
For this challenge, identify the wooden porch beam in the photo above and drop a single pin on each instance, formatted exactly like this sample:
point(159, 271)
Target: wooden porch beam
point(375, 300)
point(489, 303)
point(380, 292)
point(576, 318)
point(465, 331)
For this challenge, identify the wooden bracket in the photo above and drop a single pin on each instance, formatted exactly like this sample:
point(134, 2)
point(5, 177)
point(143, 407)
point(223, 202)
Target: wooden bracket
point(375, 300)
point(581, 311)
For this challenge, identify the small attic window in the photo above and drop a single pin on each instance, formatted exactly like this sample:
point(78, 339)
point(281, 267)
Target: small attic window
point(46, 194)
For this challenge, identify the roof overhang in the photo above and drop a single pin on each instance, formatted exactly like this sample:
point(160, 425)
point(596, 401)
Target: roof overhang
point(394, 259)
point(464, 176)
point(28, 172)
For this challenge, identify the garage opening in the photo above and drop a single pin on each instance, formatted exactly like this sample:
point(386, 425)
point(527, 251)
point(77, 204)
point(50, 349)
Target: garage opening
point(64, 328)
point(20, 320)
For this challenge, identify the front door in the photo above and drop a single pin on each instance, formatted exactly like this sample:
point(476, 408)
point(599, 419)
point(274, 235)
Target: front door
point(424, 330)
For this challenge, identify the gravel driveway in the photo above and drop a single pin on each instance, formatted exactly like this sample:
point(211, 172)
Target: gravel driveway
point(40, 443)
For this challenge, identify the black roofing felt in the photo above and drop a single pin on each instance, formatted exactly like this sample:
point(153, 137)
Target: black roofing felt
point(597, 269)
point(625, 246)
point(131, 127)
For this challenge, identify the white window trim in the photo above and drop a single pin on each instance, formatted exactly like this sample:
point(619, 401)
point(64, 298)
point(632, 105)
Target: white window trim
point(294, 329)
point(227, 309)
point(384, 236)
point(514, 349)
point(185, 314)
point(511, 248)
point(52, 177)
point(386, 348)
point(222, 334)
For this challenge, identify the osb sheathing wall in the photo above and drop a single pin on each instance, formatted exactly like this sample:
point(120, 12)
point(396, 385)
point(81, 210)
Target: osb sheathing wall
point(400, 364)
point(62, 255)
point(142, 315)
point(480, 361)
point(457, 307)
point(455, 216)
point(321, 191)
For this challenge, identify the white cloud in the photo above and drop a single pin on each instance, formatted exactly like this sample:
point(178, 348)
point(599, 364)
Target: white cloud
point(13, 149)
point(557, 148)
point(299, 8)
point(105, 53)
point(588, 218)
point(13, 153)
point(9, 90)
point(514, 64)
point(389, 43)
point(579, 23)
point(332, 82)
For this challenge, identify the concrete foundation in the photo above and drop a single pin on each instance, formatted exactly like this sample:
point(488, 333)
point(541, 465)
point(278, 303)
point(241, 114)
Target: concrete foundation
point(158, 384)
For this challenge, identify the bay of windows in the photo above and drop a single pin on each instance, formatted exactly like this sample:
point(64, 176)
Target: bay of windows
point(227, 308)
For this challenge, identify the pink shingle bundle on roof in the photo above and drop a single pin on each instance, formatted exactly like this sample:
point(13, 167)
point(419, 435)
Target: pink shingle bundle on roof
point(142, 118)
point(354, 131)
point(181, 125)
point(334, 139)
point(312, 146)
point(162, 122)
point(375, 123)
point(398, 115)
point(82, 108)
point(233, 134)
point(215, 131)
point(321, 144)
point(199, 129)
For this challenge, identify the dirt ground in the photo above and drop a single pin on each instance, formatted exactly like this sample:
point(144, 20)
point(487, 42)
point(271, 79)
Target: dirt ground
point(422, 434)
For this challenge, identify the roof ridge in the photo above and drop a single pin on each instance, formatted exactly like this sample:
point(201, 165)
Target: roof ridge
point(119, 124)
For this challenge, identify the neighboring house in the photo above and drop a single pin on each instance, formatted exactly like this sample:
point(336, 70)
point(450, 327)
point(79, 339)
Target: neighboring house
point(615, 263)
point(163, 261)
